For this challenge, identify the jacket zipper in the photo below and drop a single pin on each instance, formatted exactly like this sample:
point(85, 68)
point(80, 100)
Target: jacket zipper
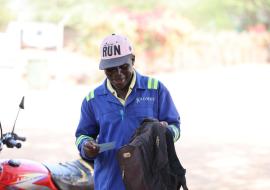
point(122, 114)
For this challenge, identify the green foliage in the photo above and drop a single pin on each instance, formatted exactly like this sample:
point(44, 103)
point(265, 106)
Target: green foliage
point(152, 24)
point(6, 14)
point(230, 14)
point(138, 5)
point(209, 14)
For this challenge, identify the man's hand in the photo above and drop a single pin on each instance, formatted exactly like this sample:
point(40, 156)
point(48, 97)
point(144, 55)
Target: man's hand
point(91, 148)
point(163, 123)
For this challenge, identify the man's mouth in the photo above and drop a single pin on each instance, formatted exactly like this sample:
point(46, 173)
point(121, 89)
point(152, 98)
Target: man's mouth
point(119, 80)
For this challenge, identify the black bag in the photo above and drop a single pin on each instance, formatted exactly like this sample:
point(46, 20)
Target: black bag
point(149, 161)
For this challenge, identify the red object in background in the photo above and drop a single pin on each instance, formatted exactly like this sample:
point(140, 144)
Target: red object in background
point(258, 28)
point(24, 174)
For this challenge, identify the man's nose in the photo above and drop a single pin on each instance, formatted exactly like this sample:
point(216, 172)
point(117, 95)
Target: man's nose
point(118, 70)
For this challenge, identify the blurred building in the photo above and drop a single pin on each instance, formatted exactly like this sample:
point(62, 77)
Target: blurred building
point(45, 36)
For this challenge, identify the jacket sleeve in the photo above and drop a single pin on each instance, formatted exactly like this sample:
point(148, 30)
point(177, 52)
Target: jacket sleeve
point(87, 128)
point(167, 111)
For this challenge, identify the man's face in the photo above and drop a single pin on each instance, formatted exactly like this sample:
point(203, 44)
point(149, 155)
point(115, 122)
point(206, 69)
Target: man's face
point(120, 76)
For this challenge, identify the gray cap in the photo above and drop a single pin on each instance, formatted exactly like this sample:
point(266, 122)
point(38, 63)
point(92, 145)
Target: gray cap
point(115, 50)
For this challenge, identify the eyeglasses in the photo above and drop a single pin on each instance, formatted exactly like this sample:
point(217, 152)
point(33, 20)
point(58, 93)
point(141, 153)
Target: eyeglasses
point(124, 67)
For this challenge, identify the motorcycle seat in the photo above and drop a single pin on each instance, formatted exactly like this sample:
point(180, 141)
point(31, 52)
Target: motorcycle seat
point(72, 175)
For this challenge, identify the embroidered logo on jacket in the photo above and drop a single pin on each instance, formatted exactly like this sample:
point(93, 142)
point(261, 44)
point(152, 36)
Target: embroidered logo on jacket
point(145, 99)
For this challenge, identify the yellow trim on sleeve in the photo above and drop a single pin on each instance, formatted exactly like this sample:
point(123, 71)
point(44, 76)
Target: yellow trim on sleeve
point(90, 95)
point(80, 138)
point(176, 132)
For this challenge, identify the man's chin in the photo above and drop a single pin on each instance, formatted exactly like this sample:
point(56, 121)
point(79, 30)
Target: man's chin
point(118, 85)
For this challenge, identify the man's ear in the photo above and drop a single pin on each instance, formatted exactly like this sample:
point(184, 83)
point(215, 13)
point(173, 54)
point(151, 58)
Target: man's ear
point(133, 58)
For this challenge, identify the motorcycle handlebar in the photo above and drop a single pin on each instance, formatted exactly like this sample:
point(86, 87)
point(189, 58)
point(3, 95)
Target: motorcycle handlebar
point(10, 142)
point(16, 137)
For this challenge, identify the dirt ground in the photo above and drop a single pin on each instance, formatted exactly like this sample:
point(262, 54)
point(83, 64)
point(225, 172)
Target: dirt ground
point(209, 165)
point(225, 125)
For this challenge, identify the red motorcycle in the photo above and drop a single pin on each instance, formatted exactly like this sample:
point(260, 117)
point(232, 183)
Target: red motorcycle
point(22, 174)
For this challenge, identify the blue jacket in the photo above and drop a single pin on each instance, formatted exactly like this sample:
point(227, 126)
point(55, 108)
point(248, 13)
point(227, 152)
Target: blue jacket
point(103, 117)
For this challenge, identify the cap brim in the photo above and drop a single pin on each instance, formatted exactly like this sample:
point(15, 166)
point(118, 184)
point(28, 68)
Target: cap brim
point(115, 62)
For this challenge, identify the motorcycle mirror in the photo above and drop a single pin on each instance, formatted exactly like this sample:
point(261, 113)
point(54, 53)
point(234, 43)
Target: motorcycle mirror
point(21, 107)
point(22, 103)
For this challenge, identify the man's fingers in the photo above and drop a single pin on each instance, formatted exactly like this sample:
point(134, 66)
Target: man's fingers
point(91, 146)
point(163, 123)
point(91, 149)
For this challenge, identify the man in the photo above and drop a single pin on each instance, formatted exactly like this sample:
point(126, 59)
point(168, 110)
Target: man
point(111, 112)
